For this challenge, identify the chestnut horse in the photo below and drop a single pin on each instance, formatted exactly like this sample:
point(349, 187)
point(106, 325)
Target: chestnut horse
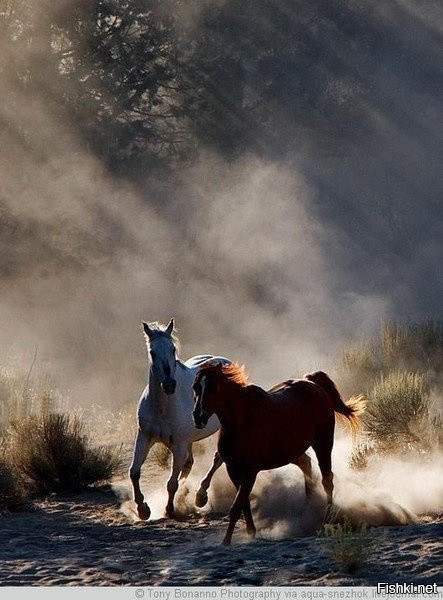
point(264, 430)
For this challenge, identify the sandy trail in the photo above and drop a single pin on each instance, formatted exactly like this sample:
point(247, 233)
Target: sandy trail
point(87, 540)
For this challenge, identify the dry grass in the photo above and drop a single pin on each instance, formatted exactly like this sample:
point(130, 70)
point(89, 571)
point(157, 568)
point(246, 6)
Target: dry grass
point(22, 395)
point(111, 427)
point(349, 548)
point(54, 454)
point(412, 346)
point(358, 367)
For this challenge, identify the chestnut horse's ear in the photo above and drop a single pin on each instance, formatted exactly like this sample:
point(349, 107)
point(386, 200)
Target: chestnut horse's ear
point(147, 329)
point(170, 328)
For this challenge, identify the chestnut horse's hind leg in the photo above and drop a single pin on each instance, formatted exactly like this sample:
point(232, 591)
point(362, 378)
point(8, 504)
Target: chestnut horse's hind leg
point(328, 485)
point(323, 452)
point(250, 527)
point(305, 464)
point(201, 497)
point(143, 444)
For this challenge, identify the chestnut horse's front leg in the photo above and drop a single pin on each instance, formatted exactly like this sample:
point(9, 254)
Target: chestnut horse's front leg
point(201, 497)
point(241, 503)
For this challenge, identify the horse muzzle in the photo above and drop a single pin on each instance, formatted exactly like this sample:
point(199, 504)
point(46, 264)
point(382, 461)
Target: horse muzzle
point(200, 420)
point(168, 386)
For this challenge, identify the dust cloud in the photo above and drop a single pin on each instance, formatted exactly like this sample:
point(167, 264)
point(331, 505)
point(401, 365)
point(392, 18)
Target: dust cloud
point(257, 258)
point(389, 492)
point(273, 262)
point(238, 260)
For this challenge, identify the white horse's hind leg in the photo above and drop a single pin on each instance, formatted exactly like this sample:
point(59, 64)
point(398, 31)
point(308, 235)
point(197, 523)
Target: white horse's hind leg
point(142, 446)
point(179, 456)
point(201, 497)
point(188, 464)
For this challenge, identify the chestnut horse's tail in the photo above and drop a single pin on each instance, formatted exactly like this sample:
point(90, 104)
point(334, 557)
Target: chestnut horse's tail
point(350, 411)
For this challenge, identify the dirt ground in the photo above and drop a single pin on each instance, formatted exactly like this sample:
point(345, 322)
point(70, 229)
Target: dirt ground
point(88, 540)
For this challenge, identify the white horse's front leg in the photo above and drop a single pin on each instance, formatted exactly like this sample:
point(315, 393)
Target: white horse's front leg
point(142, 446)
point(201, 497)
point(179, 456)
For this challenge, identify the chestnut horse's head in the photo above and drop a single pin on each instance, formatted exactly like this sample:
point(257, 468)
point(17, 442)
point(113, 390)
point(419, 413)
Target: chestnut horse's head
point(205, 391)
point(207, 385)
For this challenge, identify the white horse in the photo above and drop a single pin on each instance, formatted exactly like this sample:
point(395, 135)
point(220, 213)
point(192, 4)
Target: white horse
point(165, 415)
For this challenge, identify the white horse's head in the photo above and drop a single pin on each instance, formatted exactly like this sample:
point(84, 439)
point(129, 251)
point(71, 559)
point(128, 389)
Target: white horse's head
point(162, 350)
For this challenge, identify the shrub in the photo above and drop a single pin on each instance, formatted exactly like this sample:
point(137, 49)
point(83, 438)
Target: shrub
point(414, 347)
point(52, 451)
point(397, 372)
point(349, 548)
point(398, 418)
point(361, 454)
point(13, 492)
point(399, 403)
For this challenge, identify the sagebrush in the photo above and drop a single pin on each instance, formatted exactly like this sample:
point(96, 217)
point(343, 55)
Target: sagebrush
point(398, 411)
point(400, 373)
point(52, 451)
point(13, 490)
point(411, 347)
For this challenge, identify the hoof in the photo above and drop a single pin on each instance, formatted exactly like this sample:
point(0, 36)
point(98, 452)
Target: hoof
point(226, 542)
point(144, 512)
point(169, 513)
point(201, 499)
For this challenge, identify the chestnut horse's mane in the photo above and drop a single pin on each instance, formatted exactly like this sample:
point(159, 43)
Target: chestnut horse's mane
point(233, 372)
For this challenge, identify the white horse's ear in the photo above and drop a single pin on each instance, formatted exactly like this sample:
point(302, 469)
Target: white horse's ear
point(147, 329)
point(170, 328)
